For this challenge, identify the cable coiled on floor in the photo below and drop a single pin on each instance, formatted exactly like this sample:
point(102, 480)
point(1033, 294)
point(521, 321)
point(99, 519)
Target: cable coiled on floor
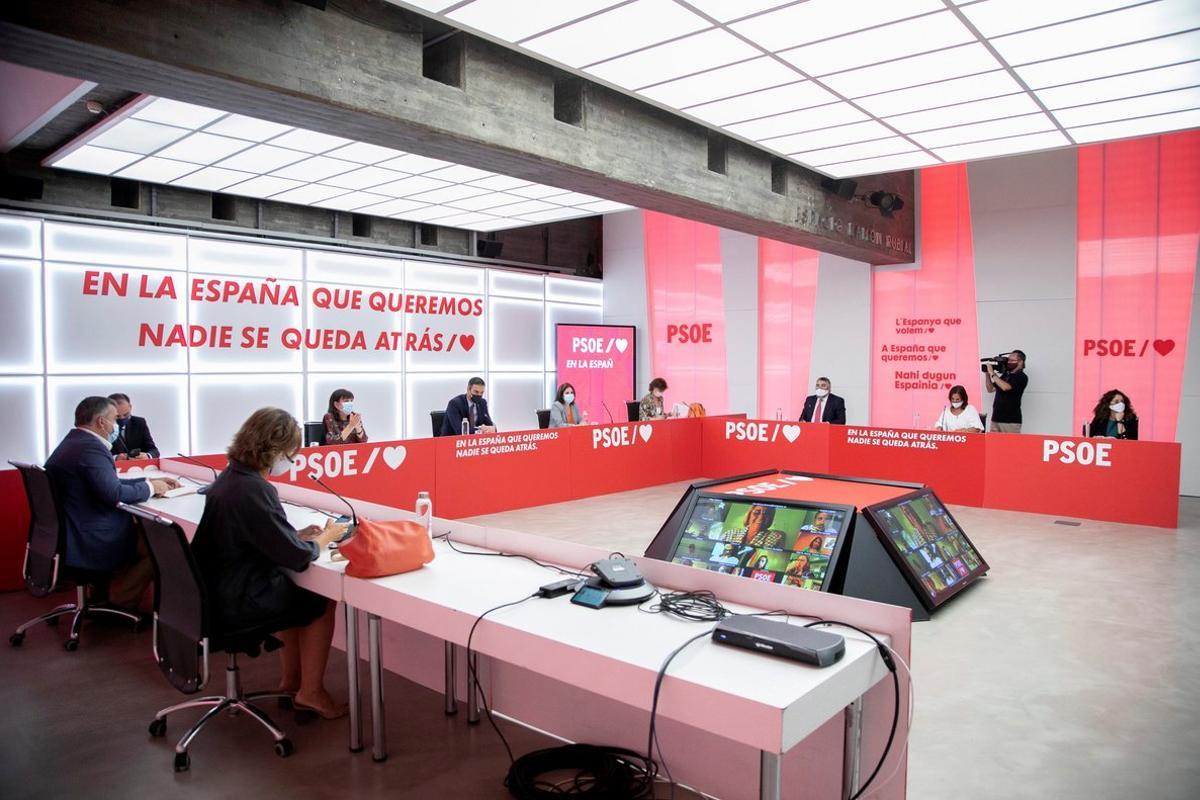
point(591, 772)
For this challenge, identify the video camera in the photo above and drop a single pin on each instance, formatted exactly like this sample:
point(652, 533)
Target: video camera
point(998, 363)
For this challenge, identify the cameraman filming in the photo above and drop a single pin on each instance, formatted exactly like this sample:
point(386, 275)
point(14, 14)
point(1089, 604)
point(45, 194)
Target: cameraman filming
point(1008, 386)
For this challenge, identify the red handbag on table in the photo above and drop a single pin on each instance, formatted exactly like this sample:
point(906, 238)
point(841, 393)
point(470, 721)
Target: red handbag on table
point(379, 549)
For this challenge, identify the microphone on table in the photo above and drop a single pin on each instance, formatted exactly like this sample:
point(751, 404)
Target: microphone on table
point(353, 516)
point(189, 459)
point(611, 421)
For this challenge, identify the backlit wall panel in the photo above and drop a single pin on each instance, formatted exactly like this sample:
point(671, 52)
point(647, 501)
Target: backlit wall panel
point(200, 331)
point(686, 301)
point(1139, 223)
point(787, 292)
point(924, 338)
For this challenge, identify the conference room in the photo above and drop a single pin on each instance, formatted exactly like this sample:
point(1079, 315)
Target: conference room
point(621, 399)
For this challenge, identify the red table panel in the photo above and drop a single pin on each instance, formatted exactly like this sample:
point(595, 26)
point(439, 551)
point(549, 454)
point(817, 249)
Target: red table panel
point(619, 458)
point(733, 446)
point(487, 473)
point(952, 464)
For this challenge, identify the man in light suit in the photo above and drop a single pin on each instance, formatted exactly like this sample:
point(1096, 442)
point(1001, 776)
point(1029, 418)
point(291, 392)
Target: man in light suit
point(470, 407)
point(823, 406)
point(100, 536)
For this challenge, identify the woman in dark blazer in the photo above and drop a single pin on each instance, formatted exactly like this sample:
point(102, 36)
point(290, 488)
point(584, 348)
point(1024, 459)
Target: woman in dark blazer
point(243, 545)
point(1114, 417)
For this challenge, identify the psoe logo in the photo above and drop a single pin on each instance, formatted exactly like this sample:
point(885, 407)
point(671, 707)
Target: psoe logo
point(1088, 454)
point(742, 431)
point(598, 344)
point(621, 435)
point(346, 462)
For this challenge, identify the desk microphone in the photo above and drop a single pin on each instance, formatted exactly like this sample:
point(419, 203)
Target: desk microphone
point(189, 459)
point(611, 421)
point(353, 516)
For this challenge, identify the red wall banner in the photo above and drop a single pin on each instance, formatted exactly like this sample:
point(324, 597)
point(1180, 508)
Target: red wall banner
point(787, 295)
point(686, 301)
point(598, 360)
point(924, 337)
point(1139, 223)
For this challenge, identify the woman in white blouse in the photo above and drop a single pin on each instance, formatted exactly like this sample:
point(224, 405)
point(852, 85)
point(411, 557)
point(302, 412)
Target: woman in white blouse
point(959, 415)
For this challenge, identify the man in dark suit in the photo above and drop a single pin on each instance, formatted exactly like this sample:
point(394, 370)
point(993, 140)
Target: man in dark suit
point(100, 536)
point(470, 407)
point(823, 406)
point(133, 434)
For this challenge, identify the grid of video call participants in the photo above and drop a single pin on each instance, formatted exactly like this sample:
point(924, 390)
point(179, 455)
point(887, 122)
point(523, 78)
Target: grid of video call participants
point(930, 543)
point(766, 542)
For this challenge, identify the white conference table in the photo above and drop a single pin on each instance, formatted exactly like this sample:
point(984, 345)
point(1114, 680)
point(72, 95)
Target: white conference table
point(323, 576)
point(768, 703)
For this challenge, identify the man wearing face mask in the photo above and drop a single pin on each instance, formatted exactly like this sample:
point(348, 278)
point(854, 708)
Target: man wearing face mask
point(1008, 386)
point(824, 406)
point(471, 408)
point(99, 536)
point(133, 436)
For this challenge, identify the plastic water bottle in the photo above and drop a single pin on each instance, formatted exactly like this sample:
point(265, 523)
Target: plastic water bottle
point(916, 420)
point(424, 511)
point(778, 414)
point(585, 417)
point(466, 427)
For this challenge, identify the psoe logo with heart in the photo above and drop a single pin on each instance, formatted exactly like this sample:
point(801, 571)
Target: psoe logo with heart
point(621, 435)
point(743, 431)
point(346, 462)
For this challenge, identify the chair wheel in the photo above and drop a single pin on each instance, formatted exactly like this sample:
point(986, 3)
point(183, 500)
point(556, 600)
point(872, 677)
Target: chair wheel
point(52, 622)
point(17, 639)
point(71, 645)
point(158, 728)
point(183, 762)
point(284, 748)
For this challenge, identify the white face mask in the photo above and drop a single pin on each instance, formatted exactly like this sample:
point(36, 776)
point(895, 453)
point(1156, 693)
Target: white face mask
point(282, 464)
point(956, 404)
point(568, 398)
point(1117, 408)
point(822, 392)
point(348, 407)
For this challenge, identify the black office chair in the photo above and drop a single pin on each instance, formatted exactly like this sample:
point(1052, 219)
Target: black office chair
point(314, 432)
point(543, 415)
point(983, 419)
point(44, 570)
point(437, 417)
point(633, 410)
point(184, 635)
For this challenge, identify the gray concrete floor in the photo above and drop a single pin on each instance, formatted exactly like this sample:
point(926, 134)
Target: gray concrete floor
point(1071, 671)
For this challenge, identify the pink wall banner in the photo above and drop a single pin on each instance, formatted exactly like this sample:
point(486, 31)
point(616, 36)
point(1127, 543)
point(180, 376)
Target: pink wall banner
point(600, 362)
point(924, 337)
point(787, 294)
point(1139, 220)
point(686, 310)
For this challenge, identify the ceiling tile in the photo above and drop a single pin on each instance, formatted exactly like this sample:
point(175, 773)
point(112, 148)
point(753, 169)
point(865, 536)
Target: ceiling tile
point(885, 43)
point(138, 136)
point(942, 65)
point(979, 131)
point(875, 166)
point(248, 128)
point(1117, 87)
point(811, 21)
point(943, 93)
point(828, 137)
point(964, 113)
point(1145, 126)
point(1147, 105)
point(204, 148)
point(797, 121)
point(261, 158)
point(701, 51)
point(794, 96)
point(998, 17)
point(514, 20)
point(623, 29)
point(1113, 61)
point(735, 79)
point(157, 170)
point(997, 147)
point(880, 147)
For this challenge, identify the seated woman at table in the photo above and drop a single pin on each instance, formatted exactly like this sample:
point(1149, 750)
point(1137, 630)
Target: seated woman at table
point(959, 415)
point(1114, 417)
point(243, 546)
point(564, 412)
point(343, 425)
point(651, 406)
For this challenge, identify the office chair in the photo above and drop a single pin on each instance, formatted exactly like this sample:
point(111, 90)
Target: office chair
point(543, 415)
point(633, 410)
point(983, 419)
point(44, 570)
point(437, 417)
point(314, 432)
point(184, 635)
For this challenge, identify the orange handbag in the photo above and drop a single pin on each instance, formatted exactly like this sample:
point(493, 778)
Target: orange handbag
point(378, 549)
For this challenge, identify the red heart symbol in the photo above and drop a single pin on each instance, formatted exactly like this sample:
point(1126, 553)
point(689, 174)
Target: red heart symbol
point(935, 358)
point(948, 385)
point(467, 341)
point(931, 330)
point(1164, 346)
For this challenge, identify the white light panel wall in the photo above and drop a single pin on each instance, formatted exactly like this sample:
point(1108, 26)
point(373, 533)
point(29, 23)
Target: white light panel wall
point(164, 141)
point(514, 399)
point(195, 398)
point(770, 70)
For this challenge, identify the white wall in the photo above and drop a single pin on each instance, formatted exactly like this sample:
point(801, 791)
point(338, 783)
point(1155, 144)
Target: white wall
point(1188, 432)
point(739, 261)
point(841, 346)
point(625, 285)
point(1023, 217)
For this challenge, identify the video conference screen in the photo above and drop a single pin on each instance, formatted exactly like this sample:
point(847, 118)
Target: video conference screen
point(796, 545)
point(926, 542)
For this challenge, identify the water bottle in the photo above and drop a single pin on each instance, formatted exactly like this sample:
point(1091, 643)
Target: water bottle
point(778, 414)
point(424, 511)
point(466, 428)
point(585, 417)
point(917, 420)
